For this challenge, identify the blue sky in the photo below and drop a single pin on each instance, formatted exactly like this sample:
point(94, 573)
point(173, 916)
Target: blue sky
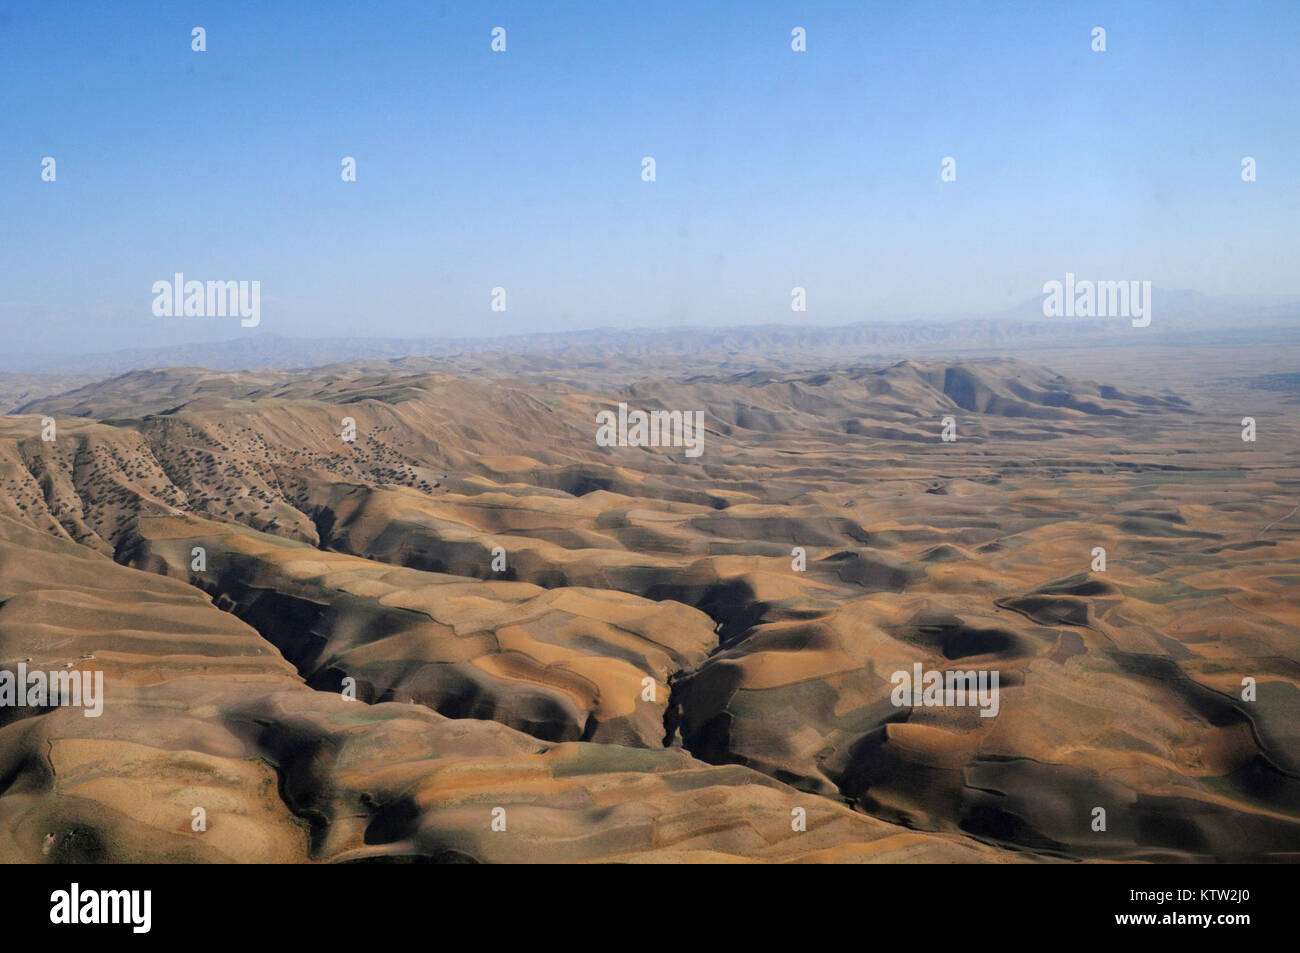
point(522, 169)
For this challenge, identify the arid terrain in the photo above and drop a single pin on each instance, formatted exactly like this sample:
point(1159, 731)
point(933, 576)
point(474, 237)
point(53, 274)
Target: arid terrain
point(640, 655)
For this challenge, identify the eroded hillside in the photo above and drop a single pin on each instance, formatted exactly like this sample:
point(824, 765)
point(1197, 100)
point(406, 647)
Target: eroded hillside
point(640, 653)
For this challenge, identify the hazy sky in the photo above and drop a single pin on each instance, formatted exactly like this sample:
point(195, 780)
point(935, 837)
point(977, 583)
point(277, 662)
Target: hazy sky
point(522, 169)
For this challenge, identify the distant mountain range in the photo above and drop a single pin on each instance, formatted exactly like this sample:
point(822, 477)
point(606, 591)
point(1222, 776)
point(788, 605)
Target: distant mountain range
point(1179, 317)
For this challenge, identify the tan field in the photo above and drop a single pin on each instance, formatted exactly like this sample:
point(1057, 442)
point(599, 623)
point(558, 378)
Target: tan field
point(472, 633)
